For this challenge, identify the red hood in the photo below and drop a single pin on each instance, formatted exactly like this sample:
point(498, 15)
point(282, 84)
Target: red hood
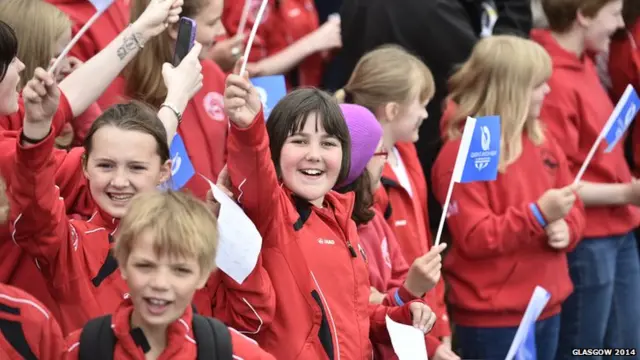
point(561, 57)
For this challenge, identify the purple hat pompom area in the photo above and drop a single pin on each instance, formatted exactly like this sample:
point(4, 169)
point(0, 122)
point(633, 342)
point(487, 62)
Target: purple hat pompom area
point(365, 132)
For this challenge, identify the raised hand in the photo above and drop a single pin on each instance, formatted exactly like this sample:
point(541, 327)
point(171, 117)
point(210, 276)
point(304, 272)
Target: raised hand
point(425, 272)
point(555, 204)
point(422, 316)
point(241, 100)
point(41, 97)
point(158, 15)
point(185, 80)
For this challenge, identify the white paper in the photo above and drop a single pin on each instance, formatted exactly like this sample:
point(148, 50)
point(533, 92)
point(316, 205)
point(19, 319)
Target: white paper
point(408, 342)
point(240, 242)
point(538, 301)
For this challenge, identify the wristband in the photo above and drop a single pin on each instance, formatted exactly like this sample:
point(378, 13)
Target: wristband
point(28, 140)
point(177, 113)
point(397, 298)
point(538, 214)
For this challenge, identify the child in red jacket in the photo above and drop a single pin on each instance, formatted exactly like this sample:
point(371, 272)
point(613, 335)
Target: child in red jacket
point(512, 234)
point(603, 310)
point(283, 173)
point(165, 248)
point(392, 282)
point(396, 87)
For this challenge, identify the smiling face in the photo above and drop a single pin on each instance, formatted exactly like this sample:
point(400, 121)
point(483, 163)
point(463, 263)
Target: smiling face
point(161, 286)
point(537, 98)
point(209, 25)
point(9, 87)
point(310, 161)
point(406, 123)
point(600, 28)
point(121, 164)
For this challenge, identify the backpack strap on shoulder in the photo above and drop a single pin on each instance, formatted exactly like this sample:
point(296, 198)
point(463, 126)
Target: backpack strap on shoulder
point(213, 338)
point(97, 340)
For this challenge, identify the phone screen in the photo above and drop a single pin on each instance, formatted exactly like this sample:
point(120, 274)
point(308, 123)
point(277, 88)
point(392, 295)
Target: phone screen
point(184, 42)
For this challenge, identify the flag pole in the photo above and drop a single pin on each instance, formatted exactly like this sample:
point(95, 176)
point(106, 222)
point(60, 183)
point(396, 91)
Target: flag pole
point(73, 41)
point(445, 210)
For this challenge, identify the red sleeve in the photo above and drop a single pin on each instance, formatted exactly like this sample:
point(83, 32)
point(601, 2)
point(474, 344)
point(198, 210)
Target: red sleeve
point(442, 327)
point(378, 326)
point(72, 346)
point(576, 219)
point(263, 45)
point(480, 233)
point(561, 120)
point(432, 344)
point(51, 344)
point(250, 306)
point(38, 218)
point(62, 116)
point(247, 349)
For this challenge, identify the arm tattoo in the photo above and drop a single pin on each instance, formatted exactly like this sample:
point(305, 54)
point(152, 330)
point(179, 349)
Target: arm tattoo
point(129, 44)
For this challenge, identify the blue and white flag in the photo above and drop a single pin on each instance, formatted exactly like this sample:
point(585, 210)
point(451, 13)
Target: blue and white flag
point(479, 152)
point(271, 90)
point(101, 5)
point(181, 168)
point(621, 117)
point(523, 346)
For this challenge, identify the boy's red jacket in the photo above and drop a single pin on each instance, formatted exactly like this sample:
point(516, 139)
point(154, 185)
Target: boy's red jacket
point(408, 216)
point(313, 256)
point(283, 23)
point(203, 128)
point(499, 251)
point(624, 69)
point(181, 343)
point(387, 273)
point(28, 329)
point(575, 111)
point(108, 26)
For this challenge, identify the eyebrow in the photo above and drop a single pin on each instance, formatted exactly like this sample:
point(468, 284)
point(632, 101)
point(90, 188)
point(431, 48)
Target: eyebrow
point(135, 162)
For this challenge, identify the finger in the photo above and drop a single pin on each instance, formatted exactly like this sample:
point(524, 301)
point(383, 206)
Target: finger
point(43, 76)
point(224, 174)
point(38, 88)
point(238, 65)
point(235, 103)
point(431, 322)
point(236, 91)
point(416, 316)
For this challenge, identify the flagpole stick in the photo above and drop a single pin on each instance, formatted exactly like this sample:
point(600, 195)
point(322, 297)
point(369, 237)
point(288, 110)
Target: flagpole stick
point(247, 50)
point(445, 210)
point(73, 41)
point(590, 155)
point(243, 18)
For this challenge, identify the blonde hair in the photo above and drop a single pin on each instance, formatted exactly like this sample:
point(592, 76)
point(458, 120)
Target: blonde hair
point(387, 74)
point(38, 26)
point(498, 79)
point(144, 73)
point(4, 202)
point(181, 225)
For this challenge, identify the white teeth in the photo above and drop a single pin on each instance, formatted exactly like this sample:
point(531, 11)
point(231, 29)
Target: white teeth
point(120, 197)
point(311, 172)
point(158, 302)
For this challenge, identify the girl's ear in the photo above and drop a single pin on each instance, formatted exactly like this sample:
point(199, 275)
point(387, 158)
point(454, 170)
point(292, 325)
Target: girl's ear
point(388, 112)
point(165, 172)
point(84, 166)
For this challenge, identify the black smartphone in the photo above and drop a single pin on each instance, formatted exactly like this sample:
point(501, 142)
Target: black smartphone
point(185, 40)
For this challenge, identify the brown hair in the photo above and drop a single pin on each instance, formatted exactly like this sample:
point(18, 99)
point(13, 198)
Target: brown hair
point(38, 25)
point(181, 225)
point(498, 79)
point(361, 187)
point(387, 74)
point(631, 12)
point(144, 73)
point(290, 116)
point(4, 202)
point(562, 13)
point(132, 116)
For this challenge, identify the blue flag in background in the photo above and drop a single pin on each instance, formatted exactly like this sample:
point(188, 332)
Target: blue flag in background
point(621, 117)
point(101, 5)
point(181, 168)
point(271, 90)
point(527, 350)
point(479, 152)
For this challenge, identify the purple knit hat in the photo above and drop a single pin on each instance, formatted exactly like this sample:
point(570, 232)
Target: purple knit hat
point(365, 132)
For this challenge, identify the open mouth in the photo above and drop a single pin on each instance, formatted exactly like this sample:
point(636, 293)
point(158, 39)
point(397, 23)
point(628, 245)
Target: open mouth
point(117, 197)
point(313, 173)
point(156, 306)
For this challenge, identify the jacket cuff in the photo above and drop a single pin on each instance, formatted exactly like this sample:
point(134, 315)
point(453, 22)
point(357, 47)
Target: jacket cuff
point(35, 156)
point(403, 295)
point(432, 345)
point(63, 115)
point(253, 135)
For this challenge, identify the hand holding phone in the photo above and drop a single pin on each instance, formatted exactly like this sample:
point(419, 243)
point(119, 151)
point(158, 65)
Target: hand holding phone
point(185, 40)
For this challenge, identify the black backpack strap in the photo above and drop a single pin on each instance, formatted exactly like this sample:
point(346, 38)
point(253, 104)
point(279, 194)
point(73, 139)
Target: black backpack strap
point(97, 340)
point(213, 338)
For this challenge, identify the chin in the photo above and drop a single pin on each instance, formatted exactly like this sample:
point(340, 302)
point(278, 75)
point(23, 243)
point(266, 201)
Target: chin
point(113, 210)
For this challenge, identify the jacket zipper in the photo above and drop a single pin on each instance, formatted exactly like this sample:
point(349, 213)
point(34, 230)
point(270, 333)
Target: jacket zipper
point(351, 249)
point(333, 324)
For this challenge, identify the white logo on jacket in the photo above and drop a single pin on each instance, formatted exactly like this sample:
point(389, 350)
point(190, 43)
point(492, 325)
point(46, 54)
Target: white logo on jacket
point(322, 241)
point(213, 104)
point(384, 246)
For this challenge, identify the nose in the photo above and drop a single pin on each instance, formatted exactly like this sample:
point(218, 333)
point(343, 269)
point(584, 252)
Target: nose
point(20, 65)
point(158, 281)
point(120, 179)
point(313, 152)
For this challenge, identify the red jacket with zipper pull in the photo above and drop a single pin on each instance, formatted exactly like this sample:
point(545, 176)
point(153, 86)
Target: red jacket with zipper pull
point(624, 69)
point(409, 218)
point(575, 111)
point(29, 330)
point(316, 264)
point(181, 341)
point(499, 251)
point(387, 273)
point(108, 26)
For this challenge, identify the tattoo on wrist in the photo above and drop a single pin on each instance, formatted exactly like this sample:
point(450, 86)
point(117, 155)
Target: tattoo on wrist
point(129, 43)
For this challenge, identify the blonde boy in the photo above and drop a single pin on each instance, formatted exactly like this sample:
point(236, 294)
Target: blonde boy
point(603, 310)
point(165, 247)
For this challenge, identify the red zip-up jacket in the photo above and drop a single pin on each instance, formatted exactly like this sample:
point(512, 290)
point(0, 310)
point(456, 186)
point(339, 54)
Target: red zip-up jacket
point(27, 329)
point(75, 255)
point(181, 343)
point(624, 69)
point(283, 23)
point(203, 128)
point(316, 264)
point(108, 26)
point(575, 111)
point(408, 216)
point(387, 273)
point(499, 251)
